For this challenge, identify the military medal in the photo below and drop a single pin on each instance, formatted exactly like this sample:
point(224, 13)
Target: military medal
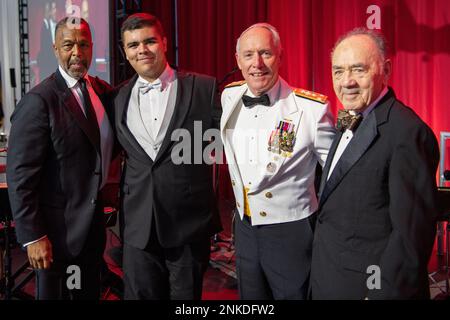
point(282, 139)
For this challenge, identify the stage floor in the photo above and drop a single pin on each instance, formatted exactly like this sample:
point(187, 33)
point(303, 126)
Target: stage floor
point(220, 279)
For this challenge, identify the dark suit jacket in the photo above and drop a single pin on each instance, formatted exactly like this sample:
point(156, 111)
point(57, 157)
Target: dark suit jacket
point(178, 200)
point(53, 166)
point(378, 208)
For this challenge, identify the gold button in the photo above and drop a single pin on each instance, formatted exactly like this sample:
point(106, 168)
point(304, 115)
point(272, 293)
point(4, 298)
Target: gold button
point(269, 195)
point(263, 214)
point(233, 183)
point(238, 205)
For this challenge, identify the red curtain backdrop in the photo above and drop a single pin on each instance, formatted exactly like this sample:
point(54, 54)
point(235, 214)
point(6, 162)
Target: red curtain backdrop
point(418, 34)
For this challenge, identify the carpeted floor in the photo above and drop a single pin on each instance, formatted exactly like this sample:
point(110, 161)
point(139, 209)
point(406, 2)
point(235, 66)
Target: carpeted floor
point(220, 280)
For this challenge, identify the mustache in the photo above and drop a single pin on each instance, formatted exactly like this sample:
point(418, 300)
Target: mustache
point(77, 61)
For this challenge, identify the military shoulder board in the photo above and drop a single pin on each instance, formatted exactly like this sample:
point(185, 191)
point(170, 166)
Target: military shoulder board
point(235, 84)
point(311, 95)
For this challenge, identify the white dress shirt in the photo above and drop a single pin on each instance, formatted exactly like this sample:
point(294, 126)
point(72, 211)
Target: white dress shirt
point(347, 135)
point(150, 110)
point(106, 133)
point(252, 129)
point(280, 184)
point(52, 29)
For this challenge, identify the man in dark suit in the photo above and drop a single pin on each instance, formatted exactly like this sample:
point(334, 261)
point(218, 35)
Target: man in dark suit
point(58, 158)
point(168, 208)
point(46, 59)
point(377, 207)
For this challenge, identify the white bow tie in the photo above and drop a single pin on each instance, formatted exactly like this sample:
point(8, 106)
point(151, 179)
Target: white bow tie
point(146, 87)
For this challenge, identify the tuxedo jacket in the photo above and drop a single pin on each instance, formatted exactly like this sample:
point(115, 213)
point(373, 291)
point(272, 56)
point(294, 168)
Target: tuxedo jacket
point(53, 166)
point(286, 192)
point(377, 211)
point(176, 200)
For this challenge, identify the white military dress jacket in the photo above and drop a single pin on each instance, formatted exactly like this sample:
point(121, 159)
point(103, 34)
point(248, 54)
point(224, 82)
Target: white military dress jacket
point(298, 134)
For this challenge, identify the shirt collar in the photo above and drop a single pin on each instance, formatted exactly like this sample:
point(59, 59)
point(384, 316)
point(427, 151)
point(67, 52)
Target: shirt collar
point(166, 77)
point(273, 93)
point(70, 81)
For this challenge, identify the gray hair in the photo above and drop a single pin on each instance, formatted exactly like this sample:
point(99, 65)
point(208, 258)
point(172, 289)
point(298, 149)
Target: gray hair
point(71, 23)
point(376, 37)
point(271, 28)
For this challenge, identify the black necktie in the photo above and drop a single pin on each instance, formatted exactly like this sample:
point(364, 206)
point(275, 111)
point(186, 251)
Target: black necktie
point(346, 120)
point(250, 102)
point(89, 111)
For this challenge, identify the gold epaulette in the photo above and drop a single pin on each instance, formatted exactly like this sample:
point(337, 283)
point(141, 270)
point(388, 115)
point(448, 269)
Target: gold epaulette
point(310, 95)
point(235, 84)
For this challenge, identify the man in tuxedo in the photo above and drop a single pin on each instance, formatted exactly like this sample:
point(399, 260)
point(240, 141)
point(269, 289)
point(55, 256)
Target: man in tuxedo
point(274, 137)
point(46, 59)
point(58, 158)
point(168, 208)
point(377, 205)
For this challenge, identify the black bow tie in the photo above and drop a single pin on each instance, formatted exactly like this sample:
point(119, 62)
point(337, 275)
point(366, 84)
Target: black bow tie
point(346, 120)
point(250, 102)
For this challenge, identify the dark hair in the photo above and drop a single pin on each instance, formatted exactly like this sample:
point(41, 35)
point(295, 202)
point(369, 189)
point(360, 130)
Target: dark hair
point(71, 22)
point(376, 37)
point(141, 20)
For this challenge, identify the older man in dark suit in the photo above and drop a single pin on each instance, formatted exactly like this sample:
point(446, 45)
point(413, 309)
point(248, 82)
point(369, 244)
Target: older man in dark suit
point(59, 153)
point(377, 207)
point(168, 208)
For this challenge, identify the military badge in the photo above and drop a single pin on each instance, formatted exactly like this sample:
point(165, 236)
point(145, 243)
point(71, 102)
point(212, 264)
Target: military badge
point(282, 139)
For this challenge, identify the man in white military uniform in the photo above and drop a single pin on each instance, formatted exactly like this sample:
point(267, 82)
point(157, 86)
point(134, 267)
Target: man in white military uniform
point(274, 136)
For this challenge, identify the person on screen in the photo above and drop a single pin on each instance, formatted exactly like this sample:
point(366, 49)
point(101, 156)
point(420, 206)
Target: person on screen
point(46, 59)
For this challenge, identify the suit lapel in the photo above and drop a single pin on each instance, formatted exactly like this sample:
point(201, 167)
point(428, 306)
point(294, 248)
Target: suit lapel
point(326, 168)
point(182, 107)
point(356, 148)
point(121, 104)
point(361, 141)
point(289, 110)
point(71, 104)
point(230, 107)
point(232, 103)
